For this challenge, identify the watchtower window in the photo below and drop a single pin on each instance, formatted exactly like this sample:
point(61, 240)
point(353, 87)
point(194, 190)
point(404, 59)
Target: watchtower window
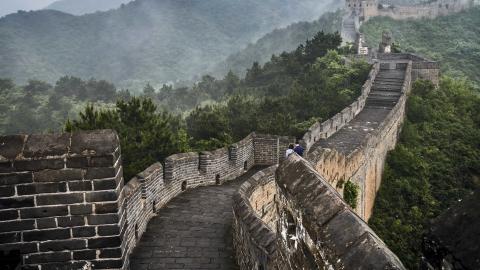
point(184, 185)
point(245, 165)
point(217, 179)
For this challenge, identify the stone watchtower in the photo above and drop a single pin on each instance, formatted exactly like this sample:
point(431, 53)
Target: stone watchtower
point(364, 9)
point(386, 44)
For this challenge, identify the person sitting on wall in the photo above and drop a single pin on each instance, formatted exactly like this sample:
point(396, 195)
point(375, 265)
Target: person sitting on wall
point(298, 149)
point(289, 150)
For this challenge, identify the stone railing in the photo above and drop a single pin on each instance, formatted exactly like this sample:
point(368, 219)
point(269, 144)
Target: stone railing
point(327, 128)
point(63, 202)
point(255, 220)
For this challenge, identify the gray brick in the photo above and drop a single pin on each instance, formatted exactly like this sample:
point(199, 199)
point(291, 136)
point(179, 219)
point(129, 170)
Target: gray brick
point(80, 209)
point(103, 219)
point(100, 173)
point(54, 199)
point(56, 234)
point(72, 244)
point(39, 188)
point(48, 211)
point(48, 257)
point(39, 164)
point(17, 225)
point(83, 231)
point(58, 175)
point(15, 178)
point(101, 196)
point(70, 221)
point(103, 242)
point(16, 202)
point(82, 185)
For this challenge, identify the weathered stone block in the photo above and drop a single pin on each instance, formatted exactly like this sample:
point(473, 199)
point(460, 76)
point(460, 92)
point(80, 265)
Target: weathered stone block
point(6, 166)
point(111, 253)
point(83, 232)
point(24, 248)
point(80, 209)
point(108, 264)
point(106, 208)
point(70, 221)
point(48, 257)
point(83, 185)
point(101, 196)
point(17, 225)
point(100, 173)
point(46, 223)
point(12, 237)
point(58, 175)
point(72, 244)
point(40, 212)
point(108, 230)
point(7, 191)
point(40, 188)
point(39, 164)
point(104, 242)
point(8, 214)
point(87, 254)
point(15, 178)
point(103, 161)
point(41, 145)
point(98, 142)
point(103, 219)
point(11, 146)
point(54, 199)
point(45, 235)
point(17, 202)
point(106, 184)
point(77, 162)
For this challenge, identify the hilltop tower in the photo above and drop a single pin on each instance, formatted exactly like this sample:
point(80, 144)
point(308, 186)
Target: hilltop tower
point(364, 9)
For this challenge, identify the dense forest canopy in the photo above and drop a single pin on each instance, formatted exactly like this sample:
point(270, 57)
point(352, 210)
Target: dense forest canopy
point(453, 40)
point(80, 7)
point(145, 40)
point(436, 163)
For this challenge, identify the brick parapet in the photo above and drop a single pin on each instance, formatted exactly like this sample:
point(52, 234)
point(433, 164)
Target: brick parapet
point(254, 240)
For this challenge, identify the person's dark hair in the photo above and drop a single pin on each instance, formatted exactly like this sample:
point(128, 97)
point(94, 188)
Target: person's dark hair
point(291, 146)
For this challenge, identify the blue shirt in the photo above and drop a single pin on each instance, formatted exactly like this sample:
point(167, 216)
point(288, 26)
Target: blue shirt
point(299, 150)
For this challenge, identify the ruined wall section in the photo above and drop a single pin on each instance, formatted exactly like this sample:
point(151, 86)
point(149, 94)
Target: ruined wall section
point(324, 130)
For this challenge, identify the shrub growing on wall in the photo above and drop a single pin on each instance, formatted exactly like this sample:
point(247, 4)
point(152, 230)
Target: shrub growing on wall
point(350, 194)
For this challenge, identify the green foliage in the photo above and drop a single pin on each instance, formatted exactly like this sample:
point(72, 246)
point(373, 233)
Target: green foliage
point(453, 40)
point(39, 106)
point(350, 194)
point(146, 136)
point(434, 164)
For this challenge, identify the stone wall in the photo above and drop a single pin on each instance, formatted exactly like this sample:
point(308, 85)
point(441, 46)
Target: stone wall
point(63, 204)
point(314, 229)
point(427, 10)
point(255, 219)
point(422, 68)
point(59, 205)
point(327, 128)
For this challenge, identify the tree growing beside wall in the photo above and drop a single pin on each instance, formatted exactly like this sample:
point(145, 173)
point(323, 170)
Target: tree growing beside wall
point(350, 194)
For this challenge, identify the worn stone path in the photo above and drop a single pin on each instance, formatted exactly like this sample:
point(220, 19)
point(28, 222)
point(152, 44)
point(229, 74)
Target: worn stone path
point(192, 232)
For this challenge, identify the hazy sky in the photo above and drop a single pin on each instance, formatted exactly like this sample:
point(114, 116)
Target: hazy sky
point(11, 6)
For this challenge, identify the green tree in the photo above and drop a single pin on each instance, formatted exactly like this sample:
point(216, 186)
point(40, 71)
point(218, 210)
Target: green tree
point(146, 136)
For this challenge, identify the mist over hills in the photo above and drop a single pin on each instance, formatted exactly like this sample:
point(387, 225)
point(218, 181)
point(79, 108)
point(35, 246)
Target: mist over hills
point(79, 7)
point(143, 41)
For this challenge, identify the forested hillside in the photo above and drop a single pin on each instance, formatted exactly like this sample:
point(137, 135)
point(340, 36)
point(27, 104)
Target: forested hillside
point(146, 40)
point(453, 40)
point(278, 41)
point(79, 7)
point(436, 163)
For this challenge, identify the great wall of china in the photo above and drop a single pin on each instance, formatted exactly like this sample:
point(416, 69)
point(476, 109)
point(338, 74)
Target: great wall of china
point(64, 204)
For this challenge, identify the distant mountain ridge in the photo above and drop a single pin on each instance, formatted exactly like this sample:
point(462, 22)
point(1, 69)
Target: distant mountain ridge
point(80, 7)
point(155, 41)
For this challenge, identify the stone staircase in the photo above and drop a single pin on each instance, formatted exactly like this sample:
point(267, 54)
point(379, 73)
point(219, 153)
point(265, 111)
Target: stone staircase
point(387, 88)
